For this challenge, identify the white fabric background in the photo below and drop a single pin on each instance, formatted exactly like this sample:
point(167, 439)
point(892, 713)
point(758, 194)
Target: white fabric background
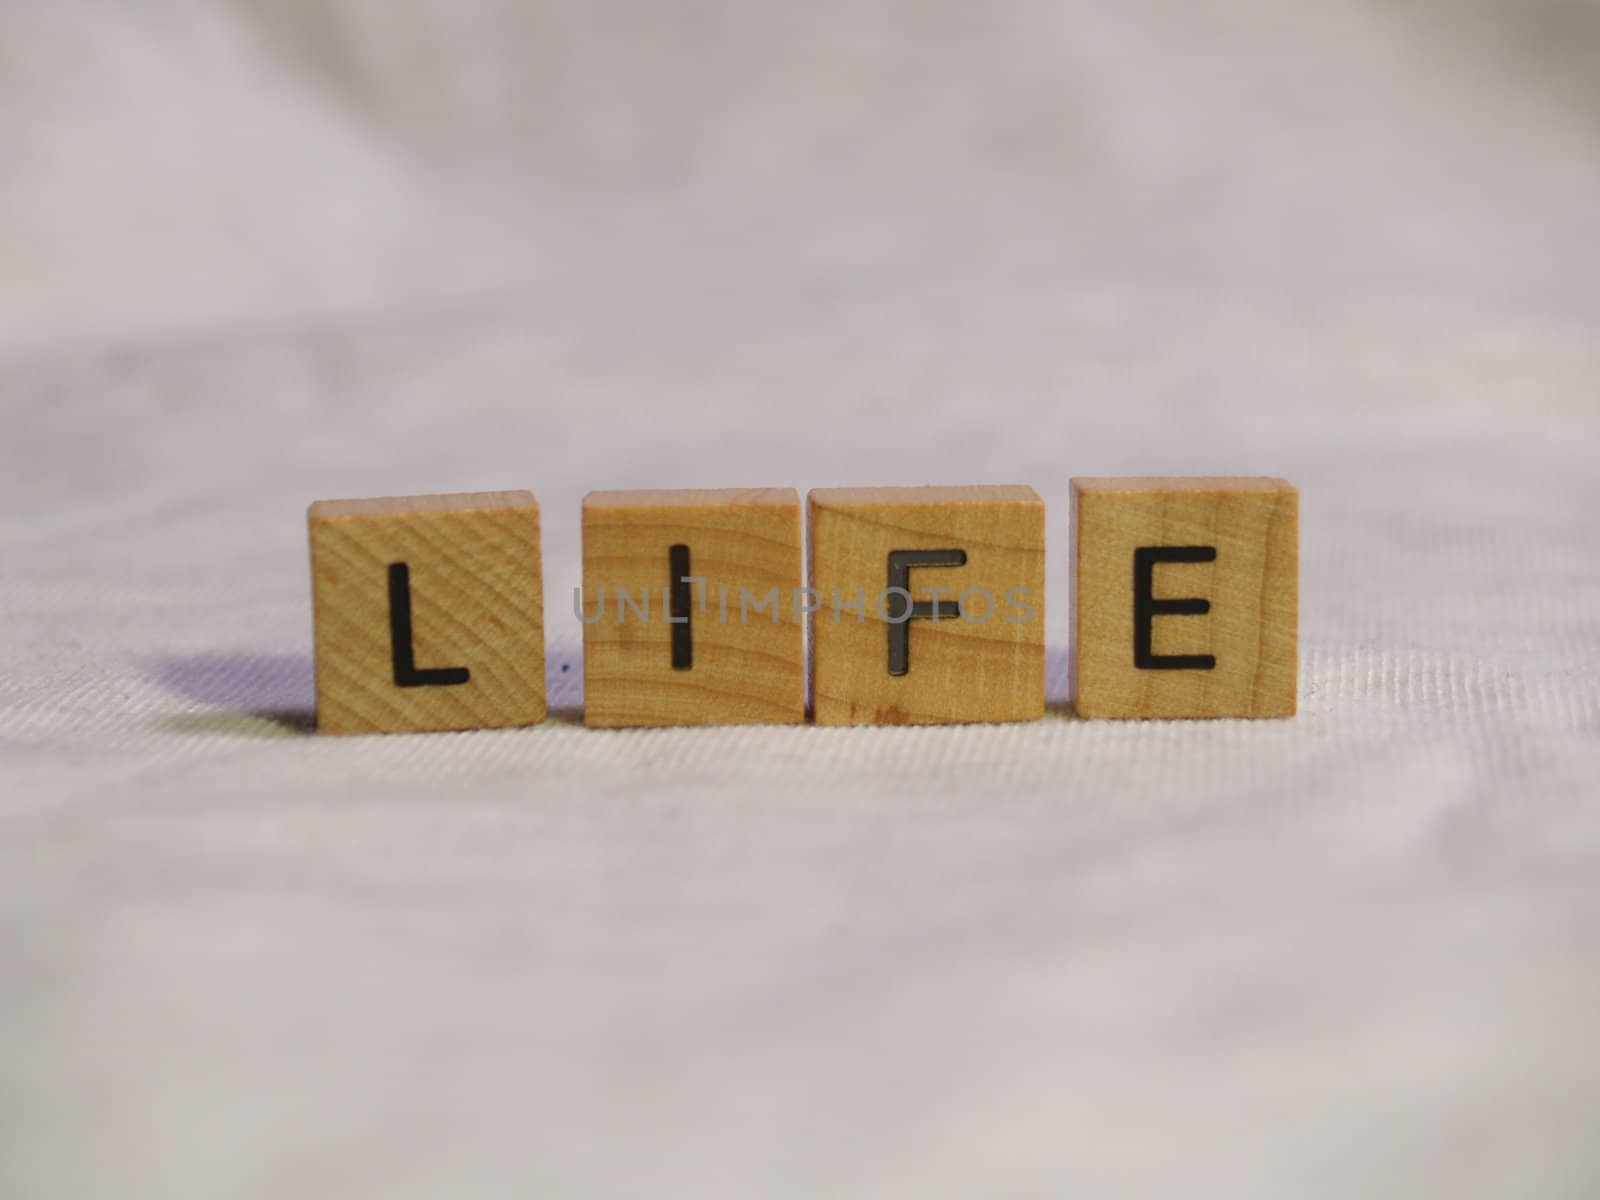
point(267, 251)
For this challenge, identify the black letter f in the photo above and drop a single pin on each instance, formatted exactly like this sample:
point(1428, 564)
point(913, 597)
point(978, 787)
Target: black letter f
point(900, 564)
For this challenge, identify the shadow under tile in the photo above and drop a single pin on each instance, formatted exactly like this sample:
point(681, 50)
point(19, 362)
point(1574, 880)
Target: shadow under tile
point(265, 725)
point(275, 695)
point(254, 695)
point(1058, 683)
point(563, 677)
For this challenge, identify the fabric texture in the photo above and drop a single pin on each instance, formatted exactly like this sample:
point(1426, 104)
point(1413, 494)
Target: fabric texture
point(261, 252)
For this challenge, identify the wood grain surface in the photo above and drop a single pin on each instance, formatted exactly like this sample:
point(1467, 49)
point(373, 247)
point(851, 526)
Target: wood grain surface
point(731, 664)
point(473, 576)
point(1241, 537)
point(986, 664)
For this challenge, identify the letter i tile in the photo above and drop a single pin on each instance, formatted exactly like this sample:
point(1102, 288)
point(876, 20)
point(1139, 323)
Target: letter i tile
point(693, 603)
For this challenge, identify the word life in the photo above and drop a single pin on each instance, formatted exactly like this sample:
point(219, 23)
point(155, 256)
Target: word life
point(923, 606)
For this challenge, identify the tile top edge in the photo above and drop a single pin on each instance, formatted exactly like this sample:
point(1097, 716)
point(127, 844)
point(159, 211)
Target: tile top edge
point(945, 494)
point(1177, 483)
point(690, 497)
point(410, 506)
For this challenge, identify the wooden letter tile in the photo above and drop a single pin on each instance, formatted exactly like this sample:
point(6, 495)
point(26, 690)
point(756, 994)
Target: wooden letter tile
point(429, 613)
point(1186, 597)
point(693, 605)
point(931, 605)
